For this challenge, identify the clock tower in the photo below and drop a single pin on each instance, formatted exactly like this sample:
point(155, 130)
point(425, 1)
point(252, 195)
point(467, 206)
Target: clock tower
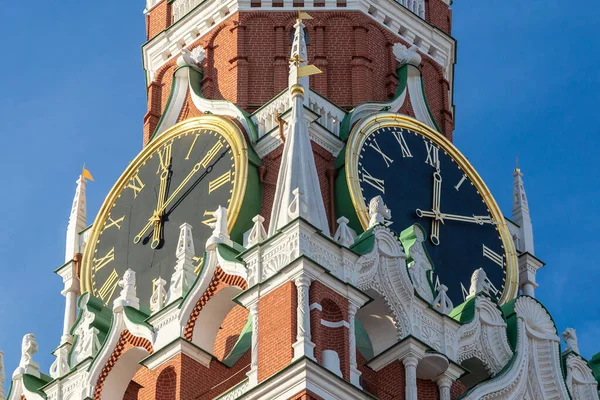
point(300, 225)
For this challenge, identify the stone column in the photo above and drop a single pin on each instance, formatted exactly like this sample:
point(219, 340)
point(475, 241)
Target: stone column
point(253, 373)
point(303, 346)
point(444, 385)
point(71, 291)
point(354, 372)
point(410, 366)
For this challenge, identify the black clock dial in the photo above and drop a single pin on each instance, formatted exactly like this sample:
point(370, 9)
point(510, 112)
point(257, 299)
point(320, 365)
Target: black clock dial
point(422, 184)
point(182, 181)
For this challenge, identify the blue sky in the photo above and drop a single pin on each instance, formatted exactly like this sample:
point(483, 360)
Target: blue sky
point(527, 85)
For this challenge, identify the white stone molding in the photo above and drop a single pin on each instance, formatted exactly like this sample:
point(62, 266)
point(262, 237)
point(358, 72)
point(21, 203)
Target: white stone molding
point(87, 343)
point(484, 338)
point(570, 338)
point(535, 372)
point(71, 291)
point(183, 276)
point(580, 379)
point(159, 295)
point(378, 212)
point(27, 366)
point(2, 376)
point(128, 296)
point(258, 234)
point(405, 55)
point(253, 373)
point(391, 15)
point(344, 234)
point(266, 117)
point(70, 387)
point(410, 371)
point(210, 266)
point(303, 347)
point(442, 301)
point(330, 116)
point(418, 101)
point(331, 361)
point(237, 391)
point(444, 385)
point(528, 268)
point(77, 220)
point(354, 372)
point(520, 214)
point(174, 348)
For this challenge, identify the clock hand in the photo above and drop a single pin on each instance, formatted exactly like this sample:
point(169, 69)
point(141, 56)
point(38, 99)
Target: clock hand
point(165, 164)
point(196, 168)
point(476, 219)
point(437, 193)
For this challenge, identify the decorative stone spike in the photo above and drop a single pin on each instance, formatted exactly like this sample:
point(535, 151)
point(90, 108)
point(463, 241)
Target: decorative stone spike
point(344, 235)
point(298, 207)
point(442, 300)
point(60, 367)
point(378, 212)
point(27, 366)
point(570, 338)
point(184, 276)
point(258, 233)
point(520, 214)
point(77, 220)
point(159, 295)
point(128, 296)
point(2, 376)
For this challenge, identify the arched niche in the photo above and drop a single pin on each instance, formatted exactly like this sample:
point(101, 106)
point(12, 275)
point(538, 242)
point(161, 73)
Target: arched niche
point(378, 322)
point(212, 315)
point(122, 373)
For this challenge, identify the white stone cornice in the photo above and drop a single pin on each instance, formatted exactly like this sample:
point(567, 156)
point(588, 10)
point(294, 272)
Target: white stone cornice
point(390, 14)
point(178, 346)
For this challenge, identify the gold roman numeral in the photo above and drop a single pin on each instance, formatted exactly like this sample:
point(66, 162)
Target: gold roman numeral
point(220, 181)
point(192, 147)
point(164, 158)
point(99, 263)
point(378, 184)
point(211, 154)
point(108, 288)
point(112, 222)
point(198, 261)
point(210, 222)
point(136, 184)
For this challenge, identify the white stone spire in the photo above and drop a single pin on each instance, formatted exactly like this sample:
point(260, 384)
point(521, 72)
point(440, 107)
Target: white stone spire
point(2, 376)
point(298, 192)
point(77, 219)
point(520, 213)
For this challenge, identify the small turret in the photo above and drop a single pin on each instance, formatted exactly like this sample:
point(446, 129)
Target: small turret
point(520, 213)
point(77, 219)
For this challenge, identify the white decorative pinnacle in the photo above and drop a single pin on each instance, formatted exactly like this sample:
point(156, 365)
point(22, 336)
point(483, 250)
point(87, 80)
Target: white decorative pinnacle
point(128, 296)
point(257, 234)
point(378, 212)
point(298, 191)
point(27, 366)
point(570, 338)
point(60, 366)
point(479, 283)
point(406, 55)
point(300, 54)
point(159, 295)
point(77, 220)
point(220, 233)
point(184, 276)
point(2, 376)
point(520, 214)
point(444, 302)
point(344, 235)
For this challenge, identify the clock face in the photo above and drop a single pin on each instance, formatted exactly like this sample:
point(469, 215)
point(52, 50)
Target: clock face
point(424, 180)
point(181, 177)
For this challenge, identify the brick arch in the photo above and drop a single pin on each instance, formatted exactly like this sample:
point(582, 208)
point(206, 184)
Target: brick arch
point(219, 281)
point(331, 311)
point(166, 384)
point(322, 19)
point(126, 342)
point(245, 17)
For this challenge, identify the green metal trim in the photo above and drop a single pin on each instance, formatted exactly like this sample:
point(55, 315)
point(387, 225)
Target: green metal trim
point(363, 342)
point(343, 202)
point(365, 243)
point(242, 345)
point(229, 254)
point(594, 365)
point(138, 317)
point(34, 384)
point(464, 312)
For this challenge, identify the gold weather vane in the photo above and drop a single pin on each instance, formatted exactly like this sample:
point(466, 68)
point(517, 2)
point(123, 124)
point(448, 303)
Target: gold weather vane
point(85, 174)
point(305, 70)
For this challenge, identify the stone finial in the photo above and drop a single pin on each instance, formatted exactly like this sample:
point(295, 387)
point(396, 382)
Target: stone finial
point(192, 58)
point(159, 295)
point(442, 301)
point(27, 366)
point(2, 376)
point(378, 212)
point(60, 366)
point(344, 235)
point(128, 296)
point(479, 283)
point(221, 230)
point(258, 233)
point(406, 55)
point(570, 338)
point(183, 276)
point(77, 219)
point(185, 245)
point(520, 214)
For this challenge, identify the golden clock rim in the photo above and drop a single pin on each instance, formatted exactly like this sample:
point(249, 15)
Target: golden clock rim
point(361, 131)
point(221, 125)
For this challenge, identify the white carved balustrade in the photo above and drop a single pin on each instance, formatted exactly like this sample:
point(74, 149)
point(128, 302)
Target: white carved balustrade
point(331, 116)
point(182, 7)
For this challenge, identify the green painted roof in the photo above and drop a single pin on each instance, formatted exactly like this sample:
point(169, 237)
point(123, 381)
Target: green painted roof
point(242, 345)
point(594, 364)
point(464, 312)
point(364, 243)
point(363, 342)
point(34, 384)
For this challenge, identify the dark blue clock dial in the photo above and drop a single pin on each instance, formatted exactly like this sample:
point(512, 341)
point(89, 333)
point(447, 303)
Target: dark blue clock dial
point(422, 184)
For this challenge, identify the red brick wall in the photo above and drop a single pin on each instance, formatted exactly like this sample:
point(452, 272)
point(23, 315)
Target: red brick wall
point(166, 384)
point(437, 13)
point(246, 63)
point(306, 395)
point(230, 330)
point(276, 330)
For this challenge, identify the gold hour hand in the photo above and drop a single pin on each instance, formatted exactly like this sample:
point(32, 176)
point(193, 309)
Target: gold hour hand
point(164, 157)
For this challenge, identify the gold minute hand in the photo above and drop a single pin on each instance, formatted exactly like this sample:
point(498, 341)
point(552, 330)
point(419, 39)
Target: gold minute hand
point(159, 210)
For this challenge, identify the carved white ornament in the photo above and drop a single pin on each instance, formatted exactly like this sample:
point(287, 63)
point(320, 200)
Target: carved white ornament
point(128, 296)
point(257, 234)
point(420, 268)
point(570, 338)
point(580, 379)
point(378, 212)
point(183, 276)
point(406, 55)
point(60, 367)
point(479, 283)
point(442, 301)
point(159, 295)
point(87, 343)
point(344, 234)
